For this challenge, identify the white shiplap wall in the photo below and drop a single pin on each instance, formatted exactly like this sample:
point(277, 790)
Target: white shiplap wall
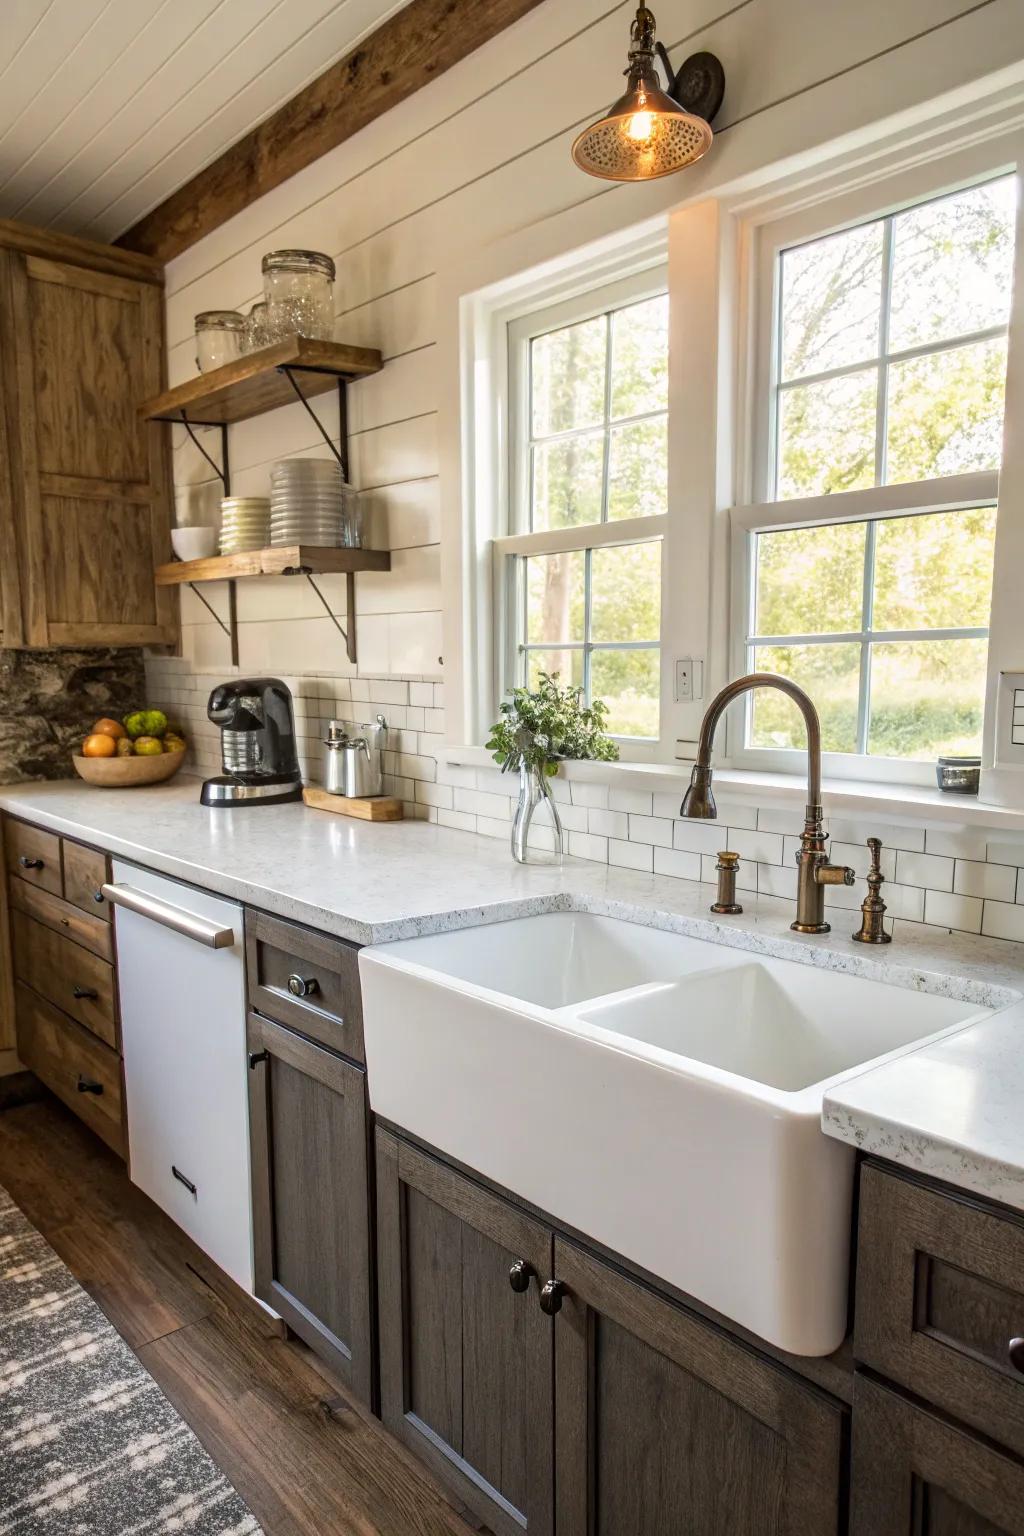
point(475, 157)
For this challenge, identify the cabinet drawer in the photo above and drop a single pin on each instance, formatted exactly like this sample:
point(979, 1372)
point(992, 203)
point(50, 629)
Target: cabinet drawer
point(940, 1294)
point(72, 978)
point(85, 870)
point(33, 855)
point(78, 1068)
point(91, 932)
point(306, 980)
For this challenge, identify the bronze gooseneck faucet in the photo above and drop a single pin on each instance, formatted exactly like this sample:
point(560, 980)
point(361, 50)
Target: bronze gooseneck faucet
point(814, 871)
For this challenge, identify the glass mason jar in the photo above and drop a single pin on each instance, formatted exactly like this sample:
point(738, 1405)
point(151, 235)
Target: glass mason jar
point(257, 331)
point(299, 290)
point(219, 338)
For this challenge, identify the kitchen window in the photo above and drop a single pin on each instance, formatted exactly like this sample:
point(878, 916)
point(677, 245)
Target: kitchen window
point(580, 571)
point(866, 573)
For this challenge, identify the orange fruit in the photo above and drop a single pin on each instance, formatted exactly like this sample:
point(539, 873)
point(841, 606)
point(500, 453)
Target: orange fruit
point(107, 727)
point(99, 744)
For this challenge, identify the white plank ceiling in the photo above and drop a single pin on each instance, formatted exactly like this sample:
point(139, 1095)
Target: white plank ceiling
point(108, 106)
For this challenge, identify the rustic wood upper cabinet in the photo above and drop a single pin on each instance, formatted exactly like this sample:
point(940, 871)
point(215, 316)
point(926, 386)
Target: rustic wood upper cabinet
point(84, 484)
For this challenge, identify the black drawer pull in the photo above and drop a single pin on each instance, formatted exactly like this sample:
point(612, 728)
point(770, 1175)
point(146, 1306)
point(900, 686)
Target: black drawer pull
point(255, 1057)
point(520, 1275)
point(98, 896)
point(27, 863)
point(1015, 1350)
point(89, 1085)
point(182, 1180)
point(84, 994)
point(302, 986)
point(551, 1295)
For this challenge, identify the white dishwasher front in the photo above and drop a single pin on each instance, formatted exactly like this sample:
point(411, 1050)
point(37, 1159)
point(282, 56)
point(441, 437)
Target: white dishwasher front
point(181, 974)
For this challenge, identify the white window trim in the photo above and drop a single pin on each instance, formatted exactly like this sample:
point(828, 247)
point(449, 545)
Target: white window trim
point(954, 493)
point(519, 541)
point(884, 195)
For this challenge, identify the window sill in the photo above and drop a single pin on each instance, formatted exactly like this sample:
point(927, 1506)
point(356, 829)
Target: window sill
point(900, 802)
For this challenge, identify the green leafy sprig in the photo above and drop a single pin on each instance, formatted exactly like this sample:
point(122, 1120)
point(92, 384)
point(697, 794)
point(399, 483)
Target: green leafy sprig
point(539, 727)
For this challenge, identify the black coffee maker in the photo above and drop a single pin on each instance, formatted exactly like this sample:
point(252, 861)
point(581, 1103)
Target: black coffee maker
point(257, 744)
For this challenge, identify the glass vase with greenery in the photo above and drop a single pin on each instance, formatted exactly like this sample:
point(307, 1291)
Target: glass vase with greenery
point(538, 729)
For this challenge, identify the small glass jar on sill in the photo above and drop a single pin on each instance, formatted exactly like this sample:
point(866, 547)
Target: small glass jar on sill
point(298, 287)
point(219, 338)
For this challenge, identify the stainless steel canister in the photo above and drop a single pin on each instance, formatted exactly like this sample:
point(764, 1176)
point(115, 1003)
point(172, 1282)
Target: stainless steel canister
point(354, 765)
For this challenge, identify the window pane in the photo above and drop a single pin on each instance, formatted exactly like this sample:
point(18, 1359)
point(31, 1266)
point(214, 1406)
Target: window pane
point(626, 598)
point(935, 571)
point(554, 598)
point(628, 682)
point(831, 301)
point(638, 469)
point(830, 674)
point(567, 666)
point(827, 435)
point(927, 698)
point(953, 266)
point(946, 412)
point(567, 378)
point(810, 581)
point(567, 479)
point(640, 358)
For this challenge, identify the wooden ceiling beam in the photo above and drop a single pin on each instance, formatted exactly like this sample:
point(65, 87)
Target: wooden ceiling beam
point(407, 51)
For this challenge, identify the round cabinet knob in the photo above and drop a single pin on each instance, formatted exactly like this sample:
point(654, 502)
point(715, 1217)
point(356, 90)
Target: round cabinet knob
point(98, 896)
point(1015, 1350)
point(520, 1275)
point(27, 863)
point(302, 986)
point(551, 1295)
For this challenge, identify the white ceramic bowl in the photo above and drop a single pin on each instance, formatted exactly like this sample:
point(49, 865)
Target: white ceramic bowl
point(194, 543)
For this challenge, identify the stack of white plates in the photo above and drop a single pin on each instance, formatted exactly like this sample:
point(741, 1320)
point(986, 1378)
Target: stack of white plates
point(308, 500)
point(244, 523)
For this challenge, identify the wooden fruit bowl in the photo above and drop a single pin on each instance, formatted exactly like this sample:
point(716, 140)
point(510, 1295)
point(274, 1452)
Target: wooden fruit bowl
point(127, 772)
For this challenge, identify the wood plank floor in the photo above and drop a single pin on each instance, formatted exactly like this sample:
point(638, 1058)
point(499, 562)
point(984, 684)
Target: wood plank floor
point(307, 1460)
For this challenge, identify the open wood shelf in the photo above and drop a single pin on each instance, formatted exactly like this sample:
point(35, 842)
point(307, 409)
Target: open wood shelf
point(256, 382)
point(279, 560)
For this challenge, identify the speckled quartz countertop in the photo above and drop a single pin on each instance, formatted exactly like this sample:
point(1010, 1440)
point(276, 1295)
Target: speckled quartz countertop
point(952, 1109)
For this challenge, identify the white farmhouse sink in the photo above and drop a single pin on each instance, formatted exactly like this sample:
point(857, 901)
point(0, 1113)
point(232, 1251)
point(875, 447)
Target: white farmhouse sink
point(660, 1094)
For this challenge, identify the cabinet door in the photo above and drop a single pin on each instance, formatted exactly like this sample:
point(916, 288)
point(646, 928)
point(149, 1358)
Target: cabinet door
point(311, 1201)
point(916, 1474)
point(465, 1356)
point(86, 504)
point(665, 1426)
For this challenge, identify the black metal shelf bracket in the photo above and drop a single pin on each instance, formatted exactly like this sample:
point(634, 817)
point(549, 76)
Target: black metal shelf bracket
point(221, 470)
point(339, 449)
point(349, 634)
point(231, 627)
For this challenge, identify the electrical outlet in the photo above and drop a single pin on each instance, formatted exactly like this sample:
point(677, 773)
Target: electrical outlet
point(689, 679)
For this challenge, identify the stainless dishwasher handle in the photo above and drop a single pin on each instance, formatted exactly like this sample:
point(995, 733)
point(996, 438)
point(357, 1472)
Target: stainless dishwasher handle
point(187, 923)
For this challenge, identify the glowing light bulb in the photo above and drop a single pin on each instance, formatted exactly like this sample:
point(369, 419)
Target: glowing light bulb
point(640, 126)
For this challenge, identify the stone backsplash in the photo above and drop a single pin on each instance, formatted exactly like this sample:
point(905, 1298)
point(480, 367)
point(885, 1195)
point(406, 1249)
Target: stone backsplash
point(50, 699)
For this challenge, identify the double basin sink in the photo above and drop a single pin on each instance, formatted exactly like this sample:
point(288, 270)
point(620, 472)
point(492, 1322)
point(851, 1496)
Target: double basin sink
point(659, 1094)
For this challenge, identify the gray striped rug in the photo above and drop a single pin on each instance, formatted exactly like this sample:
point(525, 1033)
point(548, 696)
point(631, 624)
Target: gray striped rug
point(89, 1445)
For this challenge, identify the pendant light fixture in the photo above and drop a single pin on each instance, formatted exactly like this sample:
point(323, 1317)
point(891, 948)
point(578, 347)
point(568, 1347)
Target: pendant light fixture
point(653, 129)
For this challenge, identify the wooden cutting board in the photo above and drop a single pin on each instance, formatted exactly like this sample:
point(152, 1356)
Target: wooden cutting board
point(376, 808)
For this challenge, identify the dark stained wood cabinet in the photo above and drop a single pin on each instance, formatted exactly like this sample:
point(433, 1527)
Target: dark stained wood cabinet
point(311, 1196)
point(666, 1426)
point(613, 1411)
point(85, 504)
point(466, 1359)
point(915, 1473)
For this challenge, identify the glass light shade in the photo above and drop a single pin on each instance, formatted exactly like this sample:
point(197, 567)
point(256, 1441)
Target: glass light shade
point(645, 135)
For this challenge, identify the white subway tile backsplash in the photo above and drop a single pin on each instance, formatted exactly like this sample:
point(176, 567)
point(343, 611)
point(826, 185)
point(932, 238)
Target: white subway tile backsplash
point(777, 880)
point(1002, 921)
point(958, 842)
point(630, 855)
point(699, 836)
point(925, 869)
point(637, 802)
point(590, 795)
point(609, 823)
point(650, 829)
point(948, 911)
point(669, 861)
point(998, 881)
point(584, 845)
point(1005, 852)
point(440, 795)
point(859, 829)
point(462, 821)
point(764, 847)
